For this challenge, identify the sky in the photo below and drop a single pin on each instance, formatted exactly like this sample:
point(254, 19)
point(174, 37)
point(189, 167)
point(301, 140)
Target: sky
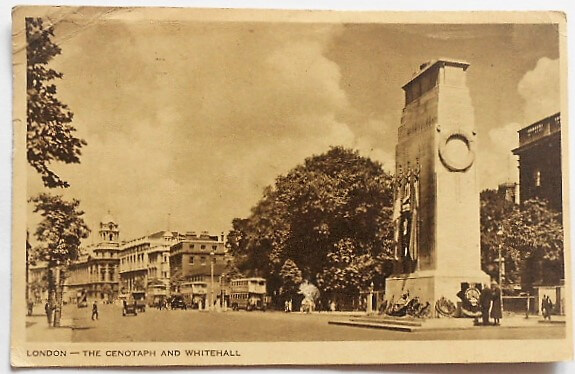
point(191, 120)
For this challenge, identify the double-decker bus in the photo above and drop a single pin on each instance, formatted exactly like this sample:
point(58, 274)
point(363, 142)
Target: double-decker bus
point(156, 294)
point(248, 294)
point(194, 294)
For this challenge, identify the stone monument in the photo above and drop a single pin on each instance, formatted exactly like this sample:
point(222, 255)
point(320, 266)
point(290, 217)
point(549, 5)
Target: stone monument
point(436, 211)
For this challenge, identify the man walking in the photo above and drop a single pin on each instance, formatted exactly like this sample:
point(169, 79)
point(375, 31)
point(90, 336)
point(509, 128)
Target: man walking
point(95, 310)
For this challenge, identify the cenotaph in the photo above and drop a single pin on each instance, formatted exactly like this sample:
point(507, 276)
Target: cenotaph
point(436, 210)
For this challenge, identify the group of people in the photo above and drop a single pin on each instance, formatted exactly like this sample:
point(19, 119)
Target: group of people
point(308, 305)
point(490, 301)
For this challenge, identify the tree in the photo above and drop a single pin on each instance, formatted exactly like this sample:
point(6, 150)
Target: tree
point(334, 196)
point(139, 284)
point(494, 210)
point(291, 279)
point(529, 236)
point(108, 291)
point(60, 232)
point(533, 238)
point(50, 135)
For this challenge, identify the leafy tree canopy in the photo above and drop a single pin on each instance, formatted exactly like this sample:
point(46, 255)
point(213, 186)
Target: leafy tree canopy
point(530, 237)
point(337, 201)
point(61, 229)
point(50, 135)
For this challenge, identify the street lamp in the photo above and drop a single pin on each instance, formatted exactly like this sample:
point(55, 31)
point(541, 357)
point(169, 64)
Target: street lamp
point(212, 257)
point(500, 267)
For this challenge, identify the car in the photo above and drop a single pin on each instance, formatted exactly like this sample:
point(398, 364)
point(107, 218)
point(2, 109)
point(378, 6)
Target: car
point(178, 302)
point(129, 308)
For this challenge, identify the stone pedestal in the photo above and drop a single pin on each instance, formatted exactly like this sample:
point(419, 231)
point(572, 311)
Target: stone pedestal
point(437, 200)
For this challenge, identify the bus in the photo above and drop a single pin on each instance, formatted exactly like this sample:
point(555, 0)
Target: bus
point(156, 295)
point(195, 294)
point(248, 294)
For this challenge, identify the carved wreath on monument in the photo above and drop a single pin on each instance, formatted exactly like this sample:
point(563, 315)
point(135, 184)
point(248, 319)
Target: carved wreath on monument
point(457, 149)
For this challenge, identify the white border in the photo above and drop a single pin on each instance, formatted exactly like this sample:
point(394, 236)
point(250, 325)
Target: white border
point(6, 142)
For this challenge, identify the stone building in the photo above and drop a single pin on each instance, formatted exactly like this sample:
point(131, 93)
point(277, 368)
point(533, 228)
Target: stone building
point(191, 257)
point(539, 154)
point(145, 261)
point(95, 273)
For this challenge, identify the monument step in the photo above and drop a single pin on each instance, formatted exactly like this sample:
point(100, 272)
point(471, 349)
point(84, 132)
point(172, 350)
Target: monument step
point(558, 322)
point(375, 325)
point(390, 321)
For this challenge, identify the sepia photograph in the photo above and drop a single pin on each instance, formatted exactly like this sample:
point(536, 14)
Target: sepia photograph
point(237, 187)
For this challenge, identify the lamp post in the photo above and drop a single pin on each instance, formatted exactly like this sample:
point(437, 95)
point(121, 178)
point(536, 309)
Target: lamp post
point(500, 268)
point(212, 257)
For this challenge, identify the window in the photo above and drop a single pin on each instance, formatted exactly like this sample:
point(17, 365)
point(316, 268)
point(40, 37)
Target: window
point(192, 246)
point(191, 259)
point(537, 178)
point(203, 260)
point(214, 247)
point(203, 247)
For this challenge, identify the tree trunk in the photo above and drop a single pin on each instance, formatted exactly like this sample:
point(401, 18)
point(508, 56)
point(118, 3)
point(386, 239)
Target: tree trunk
point(60, 279)
point(51, 296)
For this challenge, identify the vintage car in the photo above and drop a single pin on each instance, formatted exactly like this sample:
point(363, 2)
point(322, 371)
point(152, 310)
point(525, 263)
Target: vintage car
point(178, 302)
point(129, 307)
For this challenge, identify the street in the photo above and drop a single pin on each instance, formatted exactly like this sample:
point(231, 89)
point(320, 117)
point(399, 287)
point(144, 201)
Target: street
point(241, 326)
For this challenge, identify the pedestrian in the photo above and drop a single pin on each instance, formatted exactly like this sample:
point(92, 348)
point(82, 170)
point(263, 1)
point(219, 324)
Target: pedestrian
point(95, 310)
point(48, 310)
point(496, 307)
point(546, 307)
point(485, 302)
point(30, 306)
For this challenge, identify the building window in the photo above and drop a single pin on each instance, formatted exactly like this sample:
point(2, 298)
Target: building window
point(191, 261)
point(537, 178)
point(192, 246)
point(203, 260)
point(214, 247)
point(203, 247)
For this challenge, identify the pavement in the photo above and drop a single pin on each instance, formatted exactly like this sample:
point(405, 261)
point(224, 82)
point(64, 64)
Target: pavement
point(38, 330)
point(241, 326)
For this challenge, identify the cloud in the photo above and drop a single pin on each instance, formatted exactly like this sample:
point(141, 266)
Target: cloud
point(496, 162)
point(197, 127)
point(540, 90)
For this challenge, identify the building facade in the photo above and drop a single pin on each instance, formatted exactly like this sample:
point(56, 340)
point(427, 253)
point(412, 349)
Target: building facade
point(96, 273)
point(539, 154)
point(199, 258)
point(145, 261)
